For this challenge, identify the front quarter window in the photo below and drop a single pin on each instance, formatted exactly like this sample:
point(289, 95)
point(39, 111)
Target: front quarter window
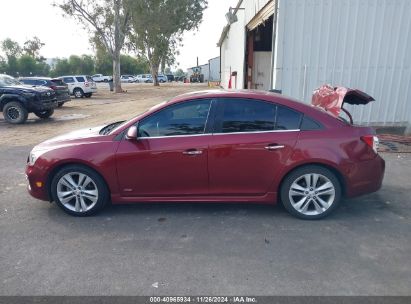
point(187, 118)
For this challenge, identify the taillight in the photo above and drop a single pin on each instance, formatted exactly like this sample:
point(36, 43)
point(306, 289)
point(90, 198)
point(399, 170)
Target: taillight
point(371, 141)
point(53, 87)
point(86, 84)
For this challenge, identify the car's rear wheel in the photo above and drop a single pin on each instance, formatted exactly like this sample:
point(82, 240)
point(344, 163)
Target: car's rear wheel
point(15, 113)
point(311, 192)
point(44, 114)
point(78, 93)
point(79, 191)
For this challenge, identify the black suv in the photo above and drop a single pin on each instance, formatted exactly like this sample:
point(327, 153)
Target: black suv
point(18, 100)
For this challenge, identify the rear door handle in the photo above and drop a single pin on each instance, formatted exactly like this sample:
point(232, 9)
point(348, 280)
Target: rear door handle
point(193, 152)
point(274, 147)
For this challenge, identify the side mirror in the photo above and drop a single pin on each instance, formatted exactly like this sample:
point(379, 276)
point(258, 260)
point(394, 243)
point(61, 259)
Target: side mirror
point(131, 133)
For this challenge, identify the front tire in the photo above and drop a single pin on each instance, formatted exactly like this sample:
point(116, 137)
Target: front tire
point(310, 192)
point(79, 191)
point(15, 113)
point(44, 114)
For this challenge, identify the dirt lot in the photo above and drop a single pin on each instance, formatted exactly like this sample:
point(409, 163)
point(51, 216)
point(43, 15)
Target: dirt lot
point(104, 107)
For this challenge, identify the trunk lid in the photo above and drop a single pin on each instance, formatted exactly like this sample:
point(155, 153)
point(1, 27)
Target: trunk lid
point(332, 99)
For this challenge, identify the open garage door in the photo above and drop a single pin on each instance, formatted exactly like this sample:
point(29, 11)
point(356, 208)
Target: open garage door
point(264, 14)
point(259, 50)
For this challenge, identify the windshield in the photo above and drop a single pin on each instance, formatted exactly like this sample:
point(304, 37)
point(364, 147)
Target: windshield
point(6, 80)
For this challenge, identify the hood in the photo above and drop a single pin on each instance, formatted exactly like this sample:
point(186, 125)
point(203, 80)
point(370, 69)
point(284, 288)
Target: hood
point(27, 89)
point(71, 138)
point(332, 99)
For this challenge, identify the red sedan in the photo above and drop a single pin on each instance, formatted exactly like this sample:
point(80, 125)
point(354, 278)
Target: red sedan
point(215, 146)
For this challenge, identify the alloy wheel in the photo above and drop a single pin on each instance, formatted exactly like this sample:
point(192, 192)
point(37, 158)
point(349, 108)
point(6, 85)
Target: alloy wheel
point(312, 194)
point(77, 192)
point(13, 113)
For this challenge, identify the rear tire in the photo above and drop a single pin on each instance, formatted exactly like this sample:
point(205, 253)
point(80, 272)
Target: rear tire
point(78, 93)
point(88, 95)
point(44, 114)
point(79, 190)
point(15, 113)
point(311, 192)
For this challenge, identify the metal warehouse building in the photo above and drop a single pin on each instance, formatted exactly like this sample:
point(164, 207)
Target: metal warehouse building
point(297, 45)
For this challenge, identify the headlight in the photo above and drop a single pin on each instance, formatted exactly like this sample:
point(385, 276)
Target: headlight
point(29, 95)
point(34, 155)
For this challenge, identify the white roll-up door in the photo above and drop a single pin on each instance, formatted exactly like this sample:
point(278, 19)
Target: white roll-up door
point(266, 12)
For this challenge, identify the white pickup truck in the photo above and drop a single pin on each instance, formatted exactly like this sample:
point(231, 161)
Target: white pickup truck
point(101, 78)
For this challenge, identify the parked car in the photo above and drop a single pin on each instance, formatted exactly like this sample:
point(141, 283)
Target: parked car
point(101, 78)
point(170, 77)
point(179, 78)
point(127, 78)
point(80, 85)
point(61, 88)
point(144, 78)
point(18, 100)
point(162, 78)
point(215, 146)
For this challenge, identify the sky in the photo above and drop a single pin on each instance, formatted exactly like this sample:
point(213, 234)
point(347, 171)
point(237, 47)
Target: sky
point(64, 37)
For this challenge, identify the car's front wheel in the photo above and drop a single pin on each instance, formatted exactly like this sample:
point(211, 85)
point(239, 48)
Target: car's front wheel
point(15, 113)
point(44, 114)
point(311, 192)
point(79, 191)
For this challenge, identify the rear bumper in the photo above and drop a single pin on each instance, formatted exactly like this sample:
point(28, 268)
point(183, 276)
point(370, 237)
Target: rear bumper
point(365, 177)
point(34, 178)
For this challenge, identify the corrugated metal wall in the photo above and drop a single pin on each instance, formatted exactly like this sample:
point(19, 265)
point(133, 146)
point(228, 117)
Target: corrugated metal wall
point(364, 44)
point(214, 67)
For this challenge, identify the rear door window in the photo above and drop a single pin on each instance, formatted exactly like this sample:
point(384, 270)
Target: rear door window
point(245, 115)
point(80, 79)
point(28, 81)
point(68, 79)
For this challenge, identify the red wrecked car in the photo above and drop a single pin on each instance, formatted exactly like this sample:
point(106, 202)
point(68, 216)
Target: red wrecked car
point(215, 146)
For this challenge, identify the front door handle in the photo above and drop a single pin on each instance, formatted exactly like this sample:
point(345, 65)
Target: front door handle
point(193, 152)
point(274, 147)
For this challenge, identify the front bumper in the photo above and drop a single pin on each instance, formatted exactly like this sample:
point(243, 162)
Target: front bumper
point(365, 177)
point(37, 183)
point(42, 105)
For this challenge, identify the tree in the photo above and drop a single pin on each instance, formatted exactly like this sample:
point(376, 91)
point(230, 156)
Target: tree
point(108, 20)
point(179, 72)
point(32, 48)
point(10, 48)
point(29, 66)
point(158, 26)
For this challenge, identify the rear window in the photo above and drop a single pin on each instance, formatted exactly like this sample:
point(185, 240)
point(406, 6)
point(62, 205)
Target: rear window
point(89, 78)
point(80, 79)
point(58, 82)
